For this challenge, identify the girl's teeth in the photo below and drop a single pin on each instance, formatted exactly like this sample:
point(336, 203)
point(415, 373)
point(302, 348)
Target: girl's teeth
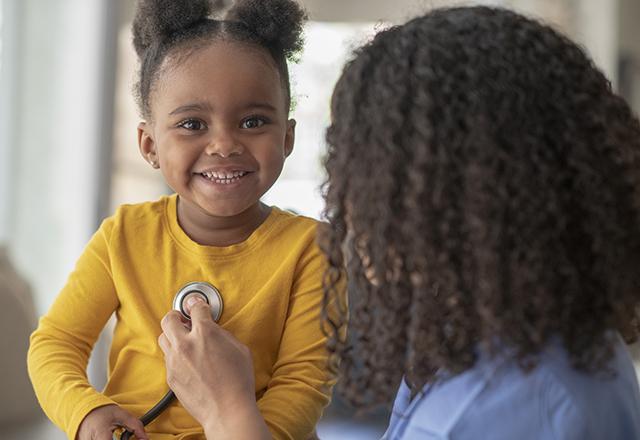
point(225, 178)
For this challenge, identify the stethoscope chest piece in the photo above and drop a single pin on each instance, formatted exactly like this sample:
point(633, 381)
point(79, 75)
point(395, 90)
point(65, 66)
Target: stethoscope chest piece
point(210, 294)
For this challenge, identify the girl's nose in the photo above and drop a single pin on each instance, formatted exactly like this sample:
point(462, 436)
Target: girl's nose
point(224, 145)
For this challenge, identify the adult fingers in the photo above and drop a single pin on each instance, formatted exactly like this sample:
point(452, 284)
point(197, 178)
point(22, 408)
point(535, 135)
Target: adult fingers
point(132, 424)
point(172, 326)
point(164, 343)
point(200, 313)
point(190, 300)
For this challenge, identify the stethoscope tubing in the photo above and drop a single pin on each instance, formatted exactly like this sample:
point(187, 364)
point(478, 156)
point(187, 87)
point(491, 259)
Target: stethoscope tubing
point(154, 412)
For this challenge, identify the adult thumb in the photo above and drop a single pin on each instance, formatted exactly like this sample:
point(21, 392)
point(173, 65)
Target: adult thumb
point(199, 310)
point(191, 300)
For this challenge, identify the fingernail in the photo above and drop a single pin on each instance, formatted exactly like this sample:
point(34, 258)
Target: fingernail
point(191, 301)
point(194, 299)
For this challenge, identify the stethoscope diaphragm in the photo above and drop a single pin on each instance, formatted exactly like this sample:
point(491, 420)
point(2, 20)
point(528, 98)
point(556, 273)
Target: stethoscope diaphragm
point(208, 292)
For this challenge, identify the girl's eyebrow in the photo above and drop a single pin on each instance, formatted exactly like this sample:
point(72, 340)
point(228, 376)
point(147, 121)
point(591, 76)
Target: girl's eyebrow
point(197, 106)
point(261, 105)
point(189, 108)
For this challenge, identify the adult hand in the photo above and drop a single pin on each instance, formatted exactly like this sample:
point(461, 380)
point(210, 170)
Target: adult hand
point(100, 424)
point(211, 373)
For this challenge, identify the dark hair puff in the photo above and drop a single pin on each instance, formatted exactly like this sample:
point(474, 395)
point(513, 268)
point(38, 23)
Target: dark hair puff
point(277, 23)
point(157, 19)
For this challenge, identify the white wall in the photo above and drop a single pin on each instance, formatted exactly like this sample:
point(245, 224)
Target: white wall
point(598, 31)
point(379, 10)
point(629, 14)
point(8, 31)
point(55, 117)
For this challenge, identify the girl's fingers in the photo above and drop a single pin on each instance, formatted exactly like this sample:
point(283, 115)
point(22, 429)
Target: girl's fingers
point(103, 436)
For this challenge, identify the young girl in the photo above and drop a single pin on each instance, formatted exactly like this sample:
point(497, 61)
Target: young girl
point(215, 98)
point(484, 187)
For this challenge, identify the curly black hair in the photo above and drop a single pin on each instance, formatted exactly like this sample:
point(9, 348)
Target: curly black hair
point(163, 28)
point(482, 191)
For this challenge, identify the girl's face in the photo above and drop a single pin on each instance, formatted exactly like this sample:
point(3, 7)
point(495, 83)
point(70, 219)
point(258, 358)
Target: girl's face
point(219, 129)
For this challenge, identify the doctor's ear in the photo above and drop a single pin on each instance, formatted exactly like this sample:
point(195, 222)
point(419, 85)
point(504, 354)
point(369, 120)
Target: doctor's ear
point(290, 137)
point(147, 144)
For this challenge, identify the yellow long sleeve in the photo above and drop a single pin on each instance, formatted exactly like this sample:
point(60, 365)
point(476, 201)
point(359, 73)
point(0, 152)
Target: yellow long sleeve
point(133, 265)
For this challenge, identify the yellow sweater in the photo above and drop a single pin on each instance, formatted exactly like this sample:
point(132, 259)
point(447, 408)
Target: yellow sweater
point(133, 265)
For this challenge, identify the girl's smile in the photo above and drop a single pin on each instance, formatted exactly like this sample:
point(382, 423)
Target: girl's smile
point(224, 177)
point(224, 180)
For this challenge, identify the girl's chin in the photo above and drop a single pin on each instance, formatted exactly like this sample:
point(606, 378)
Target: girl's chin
point(220, 206)
point(226, 210)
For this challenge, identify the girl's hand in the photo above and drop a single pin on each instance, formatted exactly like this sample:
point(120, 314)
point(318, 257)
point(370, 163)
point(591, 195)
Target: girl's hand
point(211, 373)
point(100, 424)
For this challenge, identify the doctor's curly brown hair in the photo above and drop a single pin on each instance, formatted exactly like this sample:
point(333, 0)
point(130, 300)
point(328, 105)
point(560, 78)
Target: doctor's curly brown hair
point(483, 189)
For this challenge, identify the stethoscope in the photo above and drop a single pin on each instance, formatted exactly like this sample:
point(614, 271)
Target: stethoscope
point(212, 296)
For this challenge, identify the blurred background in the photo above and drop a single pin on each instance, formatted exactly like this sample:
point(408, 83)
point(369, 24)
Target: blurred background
point(69, 156)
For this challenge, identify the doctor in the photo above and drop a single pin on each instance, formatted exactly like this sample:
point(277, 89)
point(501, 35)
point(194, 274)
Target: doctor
point(483, 180)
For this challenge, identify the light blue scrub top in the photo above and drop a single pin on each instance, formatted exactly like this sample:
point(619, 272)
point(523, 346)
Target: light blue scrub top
point(496, 400)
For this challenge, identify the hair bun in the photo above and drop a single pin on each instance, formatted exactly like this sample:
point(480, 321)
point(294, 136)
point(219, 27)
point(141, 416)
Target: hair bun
point(278, 23)
point(155, 19)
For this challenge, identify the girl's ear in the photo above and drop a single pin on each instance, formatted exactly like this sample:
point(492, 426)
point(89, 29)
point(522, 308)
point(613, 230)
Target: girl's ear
point(147, 145)
point(290, 137)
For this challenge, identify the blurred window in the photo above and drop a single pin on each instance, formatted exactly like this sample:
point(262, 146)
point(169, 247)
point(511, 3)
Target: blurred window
point(327, 47)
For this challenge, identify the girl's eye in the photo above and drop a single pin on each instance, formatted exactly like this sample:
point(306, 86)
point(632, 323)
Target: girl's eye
point(192, 125)
point(253, 122)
